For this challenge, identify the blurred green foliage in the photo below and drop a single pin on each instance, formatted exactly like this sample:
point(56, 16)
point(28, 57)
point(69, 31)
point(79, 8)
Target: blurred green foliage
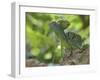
point(45, 45)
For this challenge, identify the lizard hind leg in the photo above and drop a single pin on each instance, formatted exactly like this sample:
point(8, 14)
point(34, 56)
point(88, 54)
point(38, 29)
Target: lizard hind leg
point(71, 53)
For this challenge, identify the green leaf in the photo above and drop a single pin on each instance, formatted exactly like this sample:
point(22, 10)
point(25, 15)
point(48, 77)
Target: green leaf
point(35, 51)
point(48, 55)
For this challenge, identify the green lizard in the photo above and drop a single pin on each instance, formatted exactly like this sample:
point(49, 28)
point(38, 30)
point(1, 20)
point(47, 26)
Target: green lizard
point(70, 38)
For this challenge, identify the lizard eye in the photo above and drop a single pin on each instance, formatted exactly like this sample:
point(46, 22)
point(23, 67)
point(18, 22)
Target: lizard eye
point(64, 23)
point(55, 26)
